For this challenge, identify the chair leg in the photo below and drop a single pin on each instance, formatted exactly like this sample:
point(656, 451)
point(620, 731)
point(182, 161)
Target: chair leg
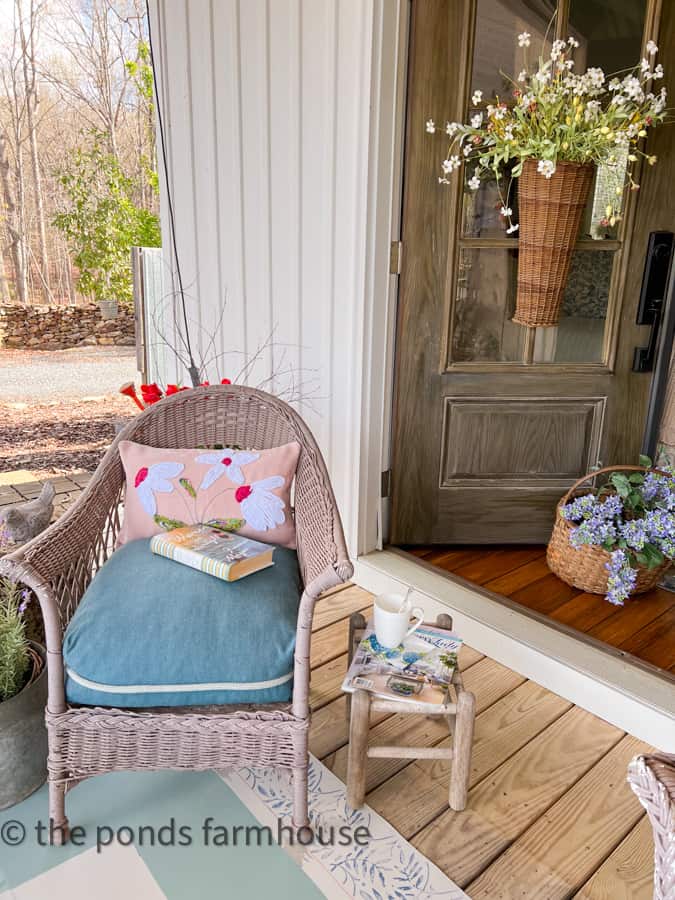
point(358, 745)
point(58, 822)
point(300, 810)
point(461, 757)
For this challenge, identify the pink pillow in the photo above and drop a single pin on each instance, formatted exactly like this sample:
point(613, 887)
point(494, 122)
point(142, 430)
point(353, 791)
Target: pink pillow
point(169, 488)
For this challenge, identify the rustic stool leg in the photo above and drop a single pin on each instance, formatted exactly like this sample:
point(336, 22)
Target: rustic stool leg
point(357, 625)
point(358, 744)
point(461, 759)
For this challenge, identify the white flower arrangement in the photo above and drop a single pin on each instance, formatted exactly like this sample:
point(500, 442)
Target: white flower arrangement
point(558, 115)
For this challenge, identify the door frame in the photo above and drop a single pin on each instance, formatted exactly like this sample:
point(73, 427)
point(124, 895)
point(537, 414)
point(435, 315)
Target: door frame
point(388, 92)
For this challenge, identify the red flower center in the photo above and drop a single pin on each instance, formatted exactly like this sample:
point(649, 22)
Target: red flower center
point(226, 461)
point(141, 475)
point(242, 492)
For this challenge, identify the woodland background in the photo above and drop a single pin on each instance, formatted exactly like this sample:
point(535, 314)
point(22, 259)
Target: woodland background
point(78, 181)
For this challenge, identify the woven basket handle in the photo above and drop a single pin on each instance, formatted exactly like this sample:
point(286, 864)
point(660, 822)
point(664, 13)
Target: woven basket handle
point(606, 469)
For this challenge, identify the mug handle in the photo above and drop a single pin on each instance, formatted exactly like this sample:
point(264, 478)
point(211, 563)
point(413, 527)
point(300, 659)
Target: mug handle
point(418, 612)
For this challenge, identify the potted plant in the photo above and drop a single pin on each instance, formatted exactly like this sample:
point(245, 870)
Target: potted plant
point(551, 134)
point(23, 697)
point(620, 539)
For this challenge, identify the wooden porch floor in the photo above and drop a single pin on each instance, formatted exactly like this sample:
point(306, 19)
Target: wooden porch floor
point(550, 815)
point(644, 628)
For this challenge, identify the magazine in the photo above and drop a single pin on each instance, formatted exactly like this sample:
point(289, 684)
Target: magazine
point(419, 670)
point(226, 556)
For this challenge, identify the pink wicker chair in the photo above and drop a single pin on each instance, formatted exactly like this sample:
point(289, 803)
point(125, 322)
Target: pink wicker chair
point(652, 778)
point(59, 564)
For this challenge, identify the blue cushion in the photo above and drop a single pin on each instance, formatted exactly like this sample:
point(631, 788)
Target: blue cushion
point(152, 632)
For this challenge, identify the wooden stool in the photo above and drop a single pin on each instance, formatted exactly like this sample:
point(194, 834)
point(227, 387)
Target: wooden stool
point(460, 715)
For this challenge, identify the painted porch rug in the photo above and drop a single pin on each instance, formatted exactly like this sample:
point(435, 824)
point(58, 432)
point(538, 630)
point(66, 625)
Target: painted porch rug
point(181, 836)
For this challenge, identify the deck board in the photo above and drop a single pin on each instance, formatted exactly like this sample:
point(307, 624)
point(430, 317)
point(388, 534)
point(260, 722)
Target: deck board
point(549, 814)
point(516, 795)
point(644, 627)
point(627, 874)
point(562, 849)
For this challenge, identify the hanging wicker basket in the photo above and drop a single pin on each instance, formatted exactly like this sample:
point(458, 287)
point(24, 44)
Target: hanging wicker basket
point(549, 214)
point(584, 568)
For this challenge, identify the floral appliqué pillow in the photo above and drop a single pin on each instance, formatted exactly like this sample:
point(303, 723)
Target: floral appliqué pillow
point(247, 491)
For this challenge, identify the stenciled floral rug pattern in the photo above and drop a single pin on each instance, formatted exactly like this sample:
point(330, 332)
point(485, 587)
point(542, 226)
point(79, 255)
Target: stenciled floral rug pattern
point(387, 867)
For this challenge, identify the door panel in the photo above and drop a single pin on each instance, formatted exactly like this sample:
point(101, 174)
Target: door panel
point(528, 441)
point(492, 421)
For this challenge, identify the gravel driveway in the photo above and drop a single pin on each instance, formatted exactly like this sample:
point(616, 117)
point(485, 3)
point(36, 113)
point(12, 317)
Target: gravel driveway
point(51, 374)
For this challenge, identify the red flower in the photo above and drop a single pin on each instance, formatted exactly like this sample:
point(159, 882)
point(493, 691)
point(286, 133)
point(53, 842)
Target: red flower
point(175, 389)
point(205, 384)
point(225, 381)
point(151, 393)
point(129, 390)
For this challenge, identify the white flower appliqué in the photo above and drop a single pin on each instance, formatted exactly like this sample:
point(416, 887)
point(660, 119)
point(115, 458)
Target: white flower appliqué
point(225, 462)
point(260, 507)
point(155, 479)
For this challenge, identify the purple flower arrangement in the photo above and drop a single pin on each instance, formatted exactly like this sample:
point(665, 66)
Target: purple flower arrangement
point(632, 517)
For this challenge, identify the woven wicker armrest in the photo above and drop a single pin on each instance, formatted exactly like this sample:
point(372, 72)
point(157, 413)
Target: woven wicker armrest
point(652, 778)
point(59, 563)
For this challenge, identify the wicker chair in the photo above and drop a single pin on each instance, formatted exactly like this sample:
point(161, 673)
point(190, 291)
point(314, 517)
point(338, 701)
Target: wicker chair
point(652, 778)
point(59, 564)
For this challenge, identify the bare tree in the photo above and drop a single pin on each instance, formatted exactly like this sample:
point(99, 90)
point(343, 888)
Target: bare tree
point(67, 68)
point(12, 173)
point(27, 36)
point(92, 73)
point(15, 231)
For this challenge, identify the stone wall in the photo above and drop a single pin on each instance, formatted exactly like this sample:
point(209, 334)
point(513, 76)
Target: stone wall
point(60, 327)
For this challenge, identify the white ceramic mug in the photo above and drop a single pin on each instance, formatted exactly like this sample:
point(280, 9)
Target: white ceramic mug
point(392, 619)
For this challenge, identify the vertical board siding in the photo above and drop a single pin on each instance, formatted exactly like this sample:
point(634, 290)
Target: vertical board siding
point(228, 193)
point(268, 109)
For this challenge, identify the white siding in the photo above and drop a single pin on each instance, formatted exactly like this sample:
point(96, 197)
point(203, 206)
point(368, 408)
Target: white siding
point(270, 119)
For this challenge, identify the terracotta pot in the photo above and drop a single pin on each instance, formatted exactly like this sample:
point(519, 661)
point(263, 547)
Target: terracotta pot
point(23, 738)
point(549, 214)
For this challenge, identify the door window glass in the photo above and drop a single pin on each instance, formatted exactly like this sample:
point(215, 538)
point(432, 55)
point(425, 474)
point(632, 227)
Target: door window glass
point(485, 264)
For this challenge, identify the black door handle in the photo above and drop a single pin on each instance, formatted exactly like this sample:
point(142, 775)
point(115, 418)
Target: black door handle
point(652, 294)
point(643, 357)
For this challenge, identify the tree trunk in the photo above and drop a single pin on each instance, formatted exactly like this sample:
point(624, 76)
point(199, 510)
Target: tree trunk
point(4, 285)
point(17, 243)
point(32, 101)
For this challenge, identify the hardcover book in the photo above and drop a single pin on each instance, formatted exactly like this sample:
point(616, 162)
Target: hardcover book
point(218, 553)
point(419, 670)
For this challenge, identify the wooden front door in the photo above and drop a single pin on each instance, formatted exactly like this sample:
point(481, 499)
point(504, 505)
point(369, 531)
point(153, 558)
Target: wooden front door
point(493, 421)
